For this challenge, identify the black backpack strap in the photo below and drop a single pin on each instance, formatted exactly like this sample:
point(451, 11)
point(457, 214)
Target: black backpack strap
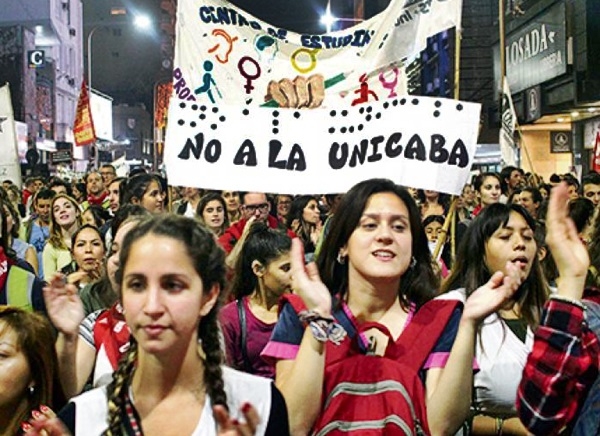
point(243, 335)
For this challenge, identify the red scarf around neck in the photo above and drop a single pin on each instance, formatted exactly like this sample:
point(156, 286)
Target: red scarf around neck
point(97, 200)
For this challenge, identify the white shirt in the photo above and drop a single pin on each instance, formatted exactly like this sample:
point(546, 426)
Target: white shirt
point(501, 357)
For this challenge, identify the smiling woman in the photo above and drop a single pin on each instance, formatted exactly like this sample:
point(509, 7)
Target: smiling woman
point(502, 235)
point(377, 285)
point(65, 219)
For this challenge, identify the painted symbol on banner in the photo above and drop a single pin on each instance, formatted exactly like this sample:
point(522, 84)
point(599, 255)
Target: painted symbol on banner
point(228, 41)
point(249, 78)
point(208, 82)
point(2, 119)
point(312, 56)
point(363, 92)
point(391, 85)
point(266, 47)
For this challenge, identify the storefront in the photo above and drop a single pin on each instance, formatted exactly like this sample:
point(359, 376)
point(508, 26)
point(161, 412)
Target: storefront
point(553, 70)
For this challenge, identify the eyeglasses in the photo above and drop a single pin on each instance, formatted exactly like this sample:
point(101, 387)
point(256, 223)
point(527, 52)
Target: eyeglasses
point(107, 173)
point(254, 207)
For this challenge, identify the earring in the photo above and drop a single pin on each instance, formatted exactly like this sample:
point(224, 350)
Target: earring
point(31, 391)
point(413, 262)
point(341, 259)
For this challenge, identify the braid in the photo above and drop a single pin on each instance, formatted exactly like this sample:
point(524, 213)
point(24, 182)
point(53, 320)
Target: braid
point(211, 344)
point(117, 389)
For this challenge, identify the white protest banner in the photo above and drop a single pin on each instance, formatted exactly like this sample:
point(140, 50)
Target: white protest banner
point(421, 142)
point(10, 167)
point(225, 55)
point(507, 129)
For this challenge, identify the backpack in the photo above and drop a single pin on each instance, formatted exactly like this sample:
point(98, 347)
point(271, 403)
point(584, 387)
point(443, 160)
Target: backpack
point(366, 394)
point(588, 419)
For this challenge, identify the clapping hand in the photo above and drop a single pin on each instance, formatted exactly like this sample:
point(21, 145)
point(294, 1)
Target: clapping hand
point(63, 305)
point(307, 283)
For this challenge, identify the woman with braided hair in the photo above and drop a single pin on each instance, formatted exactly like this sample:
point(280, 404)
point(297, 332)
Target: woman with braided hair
point(171, 380)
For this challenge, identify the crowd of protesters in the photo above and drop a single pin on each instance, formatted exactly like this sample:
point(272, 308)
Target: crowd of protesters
point(111, 323)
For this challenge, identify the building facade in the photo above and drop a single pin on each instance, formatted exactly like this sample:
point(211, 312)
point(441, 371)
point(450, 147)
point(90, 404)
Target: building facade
point(41, 58)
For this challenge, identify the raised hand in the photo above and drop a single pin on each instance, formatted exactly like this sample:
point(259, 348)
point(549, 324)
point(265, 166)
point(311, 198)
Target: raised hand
point(63, 305)
point(232, 427)
point(569, 253)
point(493, 295)
point(567, 249)
point(307, 283)
point(298, 93)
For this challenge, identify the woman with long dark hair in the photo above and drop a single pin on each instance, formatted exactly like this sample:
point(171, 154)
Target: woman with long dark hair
point(501, 237)
point(171, 379)
point(374, 279)
point(262, 275)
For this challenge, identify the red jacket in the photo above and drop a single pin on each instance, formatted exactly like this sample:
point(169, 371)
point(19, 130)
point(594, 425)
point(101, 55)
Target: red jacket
point(234, 232)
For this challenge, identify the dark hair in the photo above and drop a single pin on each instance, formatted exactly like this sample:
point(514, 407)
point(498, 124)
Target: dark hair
point(536, 195)
point(433, 218)
point(303, 229)
point(81, 187)
point(99, 214)
point(4, 236)
point(571, 180)
point(480, 178)
point(123, 214)
point(35, 339)
point(207, 198)
point(505, 173)
point(243, 194)
point(548, 265)
point(513, 194)
point(15, 216)
point(581, 211)
point(418, 284)
point(209, 261)
point(443, 199)
point(264, 245)
point(590, 179)
point(136, 187)
point(44, 194)
point(470, 271)
point(555, 178)
point(60, 182)
point(83, 227)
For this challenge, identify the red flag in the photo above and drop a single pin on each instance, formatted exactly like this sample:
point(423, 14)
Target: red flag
point(83, 129)
point(596, 160)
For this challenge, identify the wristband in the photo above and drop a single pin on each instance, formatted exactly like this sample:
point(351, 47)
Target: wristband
point(323, 329)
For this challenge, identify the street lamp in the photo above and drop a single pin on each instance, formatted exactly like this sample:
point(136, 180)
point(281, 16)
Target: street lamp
point(139, 21)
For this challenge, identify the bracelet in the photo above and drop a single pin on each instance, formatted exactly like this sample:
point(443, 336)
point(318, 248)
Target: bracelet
point(323, 329)
point(498, 426)
point(308, 316)
point(567, 300)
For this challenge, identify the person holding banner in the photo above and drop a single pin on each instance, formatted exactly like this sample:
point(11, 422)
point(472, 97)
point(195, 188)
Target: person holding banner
point(502, 235)
point(372, 280)
point(65, 220)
